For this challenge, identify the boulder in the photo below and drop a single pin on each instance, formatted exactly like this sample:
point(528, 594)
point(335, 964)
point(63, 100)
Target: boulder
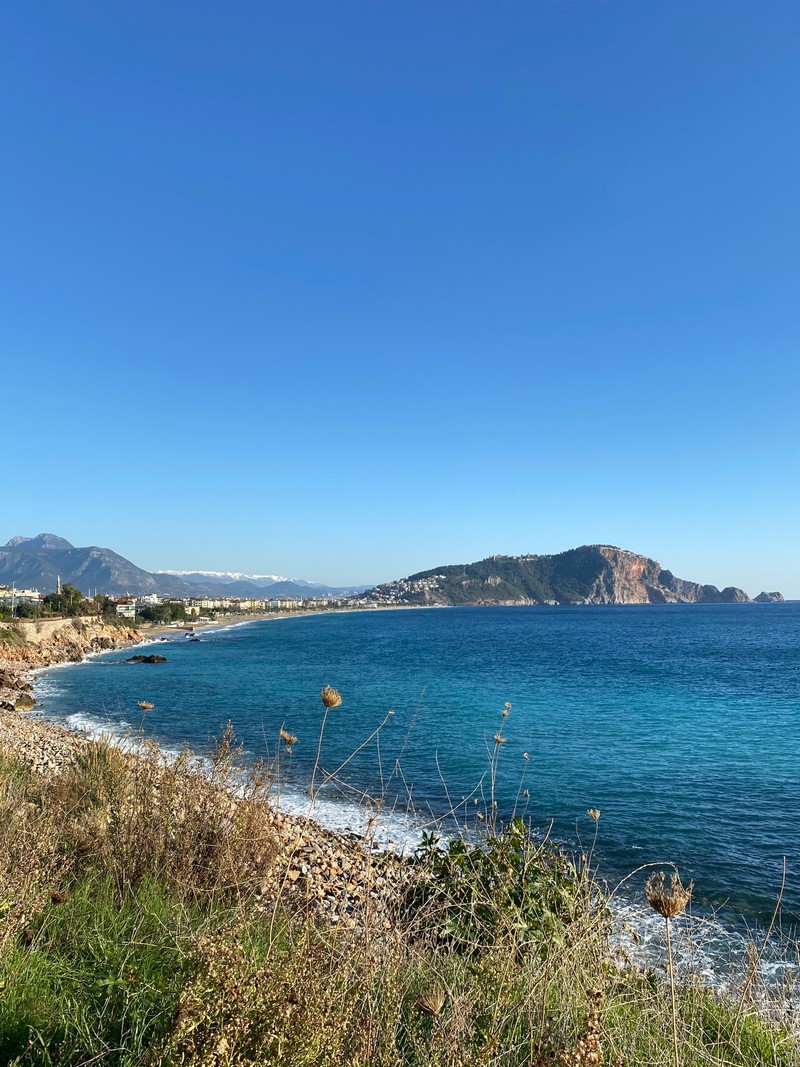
point(24, 702)
point(146, 659)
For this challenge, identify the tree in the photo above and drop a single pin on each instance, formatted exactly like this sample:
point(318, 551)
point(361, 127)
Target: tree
point(67, 602)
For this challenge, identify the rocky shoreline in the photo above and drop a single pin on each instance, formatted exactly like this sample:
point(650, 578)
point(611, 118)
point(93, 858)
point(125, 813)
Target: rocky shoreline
point(336, 875)
point(31, 645)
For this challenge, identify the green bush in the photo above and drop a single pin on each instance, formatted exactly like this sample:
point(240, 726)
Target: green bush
point(509, 888)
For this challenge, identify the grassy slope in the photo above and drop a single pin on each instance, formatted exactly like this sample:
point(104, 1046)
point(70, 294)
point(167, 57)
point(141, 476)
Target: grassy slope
point(133, 932)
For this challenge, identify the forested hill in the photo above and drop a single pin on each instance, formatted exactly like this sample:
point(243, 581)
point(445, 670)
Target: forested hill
point(592, 574)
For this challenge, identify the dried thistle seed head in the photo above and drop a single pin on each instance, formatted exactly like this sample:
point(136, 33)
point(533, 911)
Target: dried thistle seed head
point(525, 755)
point(287, 738)
point(499, 739)
point(526, 792)
point(593, 813)
point(330, 697)
point(432, 1000)
point(145, 705)
point(668, 902)
point(507, 705)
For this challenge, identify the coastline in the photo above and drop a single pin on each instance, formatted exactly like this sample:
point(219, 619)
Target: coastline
point(311, 857)
point(158, 630)
point(46, 745)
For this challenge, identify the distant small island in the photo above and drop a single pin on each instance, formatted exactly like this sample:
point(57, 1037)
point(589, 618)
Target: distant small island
point(591, 574)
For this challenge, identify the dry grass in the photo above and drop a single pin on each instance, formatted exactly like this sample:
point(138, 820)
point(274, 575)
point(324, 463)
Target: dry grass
point(148, 918)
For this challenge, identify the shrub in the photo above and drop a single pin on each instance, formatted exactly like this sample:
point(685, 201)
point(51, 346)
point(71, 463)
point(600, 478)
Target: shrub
point(508, 888)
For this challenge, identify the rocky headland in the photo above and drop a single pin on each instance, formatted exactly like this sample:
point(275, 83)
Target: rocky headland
point(591, 574)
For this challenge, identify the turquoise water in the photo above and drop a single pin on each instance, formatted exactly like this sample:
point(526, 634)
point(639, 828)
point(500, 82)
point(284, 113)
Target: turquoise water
point(680, 723)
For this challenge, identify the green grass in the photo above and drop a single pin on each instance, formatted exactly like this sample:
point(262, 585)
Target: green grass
point(93, 977)
point(10, 636)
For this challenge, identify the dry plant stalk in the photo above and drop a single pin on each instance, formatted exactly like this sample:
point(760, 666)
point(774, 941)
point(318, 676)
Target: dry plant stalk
point(331, 698)
point(669, 902)
point(432, 1000)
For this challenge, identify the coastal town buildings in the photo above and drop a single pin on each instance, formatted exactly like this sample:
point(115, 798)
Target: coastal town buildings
point(20, 596)
point(194, 608)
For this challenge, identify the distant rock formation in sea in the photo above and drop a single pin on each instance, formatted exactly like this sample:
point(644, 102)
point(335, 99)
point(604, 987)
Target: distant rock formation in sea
point(591, 574)
point(769, 598)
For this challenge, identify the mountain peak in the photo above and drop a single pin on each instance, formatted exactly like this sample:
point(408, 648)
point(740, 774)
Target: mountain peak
point(42, 540)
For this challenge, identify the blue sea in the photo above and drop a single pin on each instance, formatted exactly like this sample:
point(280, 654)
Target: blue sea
point(681, 724)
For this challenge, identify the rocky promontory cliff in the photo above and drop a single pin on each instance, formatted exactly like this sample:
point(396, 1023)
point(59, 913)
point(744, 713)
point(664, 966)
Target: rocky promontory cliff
point(28, 645)
point(591, 574)
point(768, 598)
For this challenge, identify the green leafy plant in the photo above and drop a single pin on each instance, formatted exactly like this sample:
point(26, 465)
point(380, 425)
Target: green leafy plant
point(508, 888)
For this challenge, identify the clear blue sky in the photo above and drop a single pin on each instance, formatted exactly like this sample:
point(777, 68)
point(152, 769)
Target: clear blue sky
point(346, 290)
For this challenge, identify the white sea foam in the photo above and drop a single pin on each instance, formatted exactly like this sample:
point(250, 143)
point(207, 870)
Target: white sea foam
point(115, 731)
point(705, 948)
point(386, 829)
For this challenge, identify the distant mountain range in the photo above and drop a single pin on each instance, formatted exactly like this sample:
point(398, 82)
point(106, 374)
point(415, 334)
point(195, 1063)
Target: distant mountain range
point(38, 563)
point(591, 574)
point(274, 585)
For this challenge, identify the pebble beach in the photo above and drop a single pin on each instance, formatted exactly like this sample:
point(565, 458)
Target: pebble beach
point(338, 875)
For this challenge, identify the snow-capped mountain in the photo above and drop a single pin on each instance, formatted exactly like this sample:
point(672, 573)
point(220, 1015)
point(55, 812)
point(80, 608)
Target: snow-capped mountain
point(223, 577)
